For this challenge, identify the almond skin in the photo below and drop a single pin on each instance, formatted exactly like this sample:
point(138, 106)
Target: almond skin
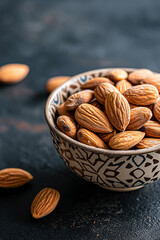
point(14, 177)
point(132, 106)
point(126, 140)
point(13, 73)
point(142, 94)
point(91, 84)
point(139, 116)
point(67, 126)
point(63, 111)
point(153, 80)
point(78, 98)
point(55, 82)
point(148, 142)
point(44, 202)
point(118, 110)
point(123, 85)
point(156, 110)
point(92, 118)
point(152, 129)
point(117, 75)
point(139, 75)
point(89, 138)
point(95, 103)
point(102, 90)
point(106, 136)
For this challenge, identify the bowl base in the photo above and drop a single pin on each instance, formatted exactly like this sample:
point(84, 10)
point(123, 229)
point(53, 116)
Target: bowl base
point(124, 189)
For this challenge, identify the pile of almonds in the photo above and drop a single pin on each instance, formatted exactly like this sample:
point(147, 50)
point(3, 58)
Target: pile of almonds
point(120, 111)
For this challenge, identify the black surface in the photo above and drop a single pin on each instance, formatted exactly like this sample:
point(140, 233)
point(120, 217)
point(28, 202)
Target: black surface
point(65, 38)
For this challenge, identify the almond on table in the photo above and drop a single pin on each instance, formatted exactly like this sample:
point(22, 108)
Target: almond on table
point(91, 84)
point(117, 75)
point(55, 82)
point(67, 126)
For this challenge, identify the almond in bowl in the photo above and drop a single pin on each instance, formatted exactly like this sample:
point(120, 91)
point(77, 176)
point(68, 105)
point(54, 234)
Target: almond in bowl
point(113, 141)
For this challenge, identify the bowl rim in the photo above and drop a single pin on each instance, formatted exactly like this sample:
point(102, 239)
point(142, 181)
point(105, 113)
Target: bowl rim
point(84, 146)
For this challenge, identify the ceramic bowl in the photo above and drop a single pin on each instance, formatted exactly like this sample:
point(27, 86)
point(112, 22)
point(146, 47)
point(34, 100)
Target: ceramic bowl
point(110, 169)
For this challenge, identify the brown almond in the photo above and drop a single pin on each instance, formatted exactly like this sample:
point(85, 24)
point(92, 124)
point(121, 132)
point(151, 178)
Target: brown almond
point(89, 138)
point(132, 106)
point(148, 142)
point(142, 94)
point(97, 104)
point(117, 74)
point(63, 111)
point(92, 118)
point(106, 136)
point(78, 98)
point(13, 73)
point(126, 140)
point(102, 90)
point(153, 80)
point(118, 110)
point(55, 82)
point(14, 177)
point(139, 116)
point(156, 110)
point(67, 126)
point(152, 129)
point(44, 202)
point(139, 75)
point(92, 83)
point(123, 85)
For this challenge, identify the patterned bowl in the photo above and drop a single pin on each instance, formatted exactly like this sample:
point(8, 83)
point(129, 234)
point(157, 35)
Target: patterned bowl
point(110, 169)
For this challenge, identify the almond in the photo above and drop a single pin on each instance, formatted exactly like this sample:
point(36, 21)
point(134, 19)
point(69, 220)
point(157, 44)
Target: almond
point(126, 140)
point(117, 74)
point(78, 98)
point(14, 177)
point(91, 84)
point(123, 85)
point(156, 110)
point(118, 110)
point(44, 202)
point(106, 136)
point(139, 75)
point(142, 94)
point(102, 90)
point(67, 126)
point(55, 82)
point(89, 138)
point(92, 118)
point(139, 116)
point(148, 142)
point(63, 111)
point(95, 103)
point(132, 106)
point(13, 73)
point(153, 80)
point(152, 129)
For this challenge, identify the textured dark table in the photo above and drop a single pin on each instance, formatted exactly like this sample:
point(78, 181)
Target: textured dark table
point(64, 38)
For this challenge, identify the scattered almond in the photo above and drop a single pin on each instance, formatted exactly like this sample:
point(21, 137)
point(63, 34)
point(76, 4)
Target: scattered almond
point(138, 76)
point(148, 142)
point(14, 177)
point(152, 129)
point(13, 73)
point(91, 84)
point(67, 126)
point(106, 136)
point(123, 85)
point(55, 82)
point(117, 74)
point(156, 110)
point(44, 202)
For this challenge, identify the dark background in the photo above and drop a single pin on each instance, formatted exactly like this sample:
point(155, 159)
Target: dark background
point(67, 37)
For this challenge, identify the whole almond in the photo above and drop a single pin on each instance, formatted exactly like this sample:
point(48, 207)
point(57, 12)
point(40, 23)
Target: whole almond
point(63, 111)
point(14, 177)
point(55, 82)
point(97, 104)
point(67, 126)
point(91, 84)
point(118, 110)
point(106, 136)
point(139, 75)
point(148, 142)
point(126, 140)
point(139, 116)
point(153, 80)
point(44, 202)
point(142, 94)
point(123, 85)
point(117, 74)
point(156, 110)
point(78, 98)
point(102, 90)
point(89, 138)
point(152, 129)
point(92, 118)
point(13, 73)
